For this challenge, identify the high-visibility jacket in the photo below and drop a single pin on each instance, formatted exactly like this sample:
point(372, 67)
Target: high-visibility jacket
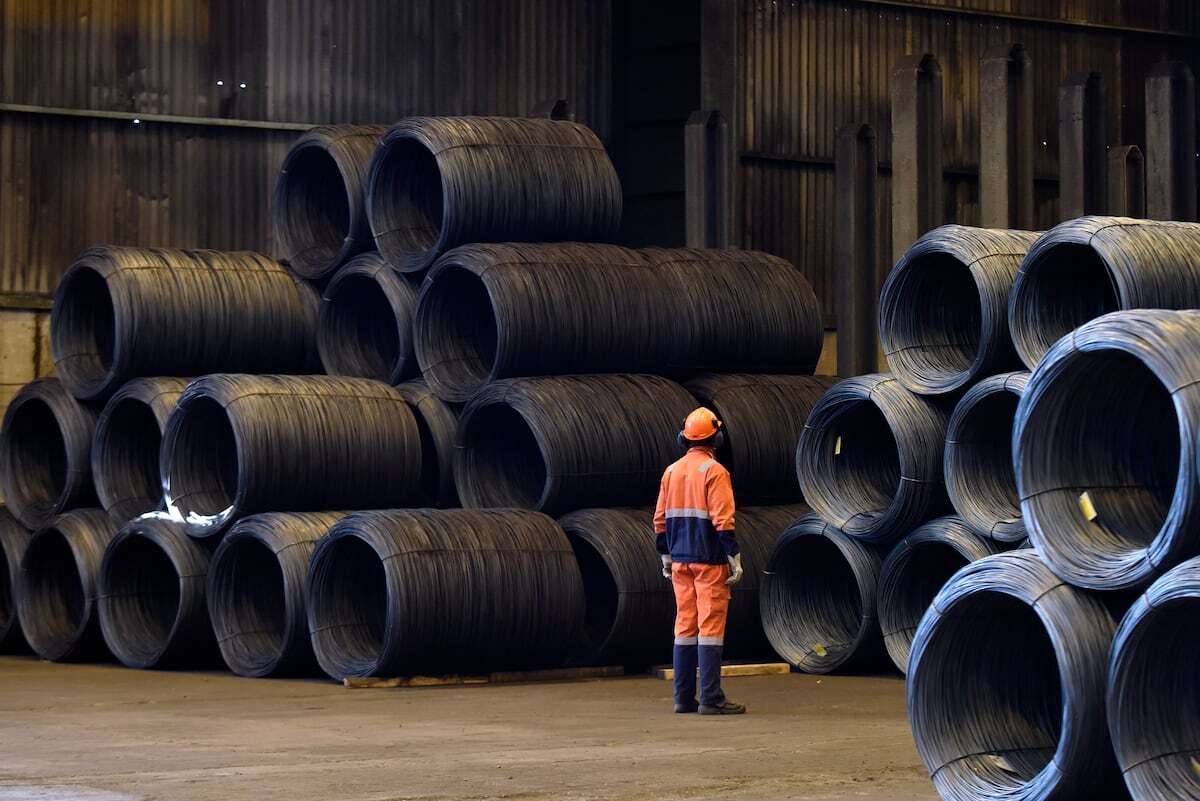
point(694, 519)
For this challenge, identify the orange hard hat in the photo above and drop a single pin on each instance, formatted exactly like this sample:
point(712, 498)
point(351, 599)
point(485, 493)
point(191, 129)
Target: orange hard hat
point(700, 425)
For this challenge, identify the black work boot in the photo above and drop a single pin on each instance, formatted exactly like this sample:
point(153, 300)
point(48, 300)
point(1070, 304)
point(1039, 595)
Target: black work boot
point(726, 707)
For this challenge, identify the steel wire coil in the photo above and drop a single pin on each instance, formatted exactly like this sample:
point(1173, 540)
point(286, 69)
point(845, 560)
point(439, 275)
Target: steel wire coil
point(1152, 693)
point(14, 539)
point(45, 453)
point(437, 423)
point(236, 445)
point(869, 458)
point(758, 529)
point(1006, 686)
point(488, 312)
point(125, 448)
point(569, 442)
point(978, 462)
point(366, 322)
point(1081, 269)
point(1105, 449)
point(629, 608)
point(818, 598)
point(152, 607)
point(763, 416)
point(439, 182)
point(915, 570)
point(121, 312)
point(741, 310)
point(943, 310)
point(319, 213)
point(257, 588)
point(57, 590)
point(443, 591)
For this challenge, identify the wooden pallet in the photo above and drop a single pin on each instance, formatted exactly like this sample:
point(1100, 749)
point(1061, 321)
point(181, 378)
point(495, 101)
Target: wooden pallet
point(733, 671)
point(509, 677)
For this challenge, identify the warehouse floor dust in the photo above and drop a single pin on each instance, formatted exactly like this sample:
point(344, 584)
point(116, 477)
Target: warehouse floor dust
point(102, 733)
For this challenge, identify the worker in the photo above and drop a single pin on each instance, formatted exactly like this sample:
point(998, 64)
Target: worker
point(694, 534)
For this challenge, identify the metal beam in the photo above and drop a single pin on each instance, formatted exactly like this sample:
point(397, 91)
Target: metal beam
point(1126, 181)
point(916, 96)
point(856, 250)
point(707, 181)
point(1006, 139)
point(141, 118)
point(1082, 146)
point(721, 87)
point(1171, 142)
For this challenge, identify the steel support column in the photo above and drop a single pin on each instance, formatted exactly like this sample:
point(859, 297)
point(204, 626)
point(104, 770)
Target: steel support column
point(1006, 139)
point(916, 95)
point(856, 250)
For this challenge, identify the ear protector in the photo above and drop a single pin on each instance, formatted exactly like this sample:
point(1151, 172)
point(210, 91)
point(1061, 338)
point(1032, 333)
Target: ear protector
point(717, 441)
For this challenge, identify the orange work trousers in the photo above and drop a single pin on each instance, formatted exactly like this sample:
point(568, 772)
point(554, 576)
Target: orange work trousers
point(701, 603)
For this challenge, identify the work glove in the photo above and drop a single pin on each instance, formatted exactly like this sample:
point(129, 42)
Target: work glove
point(666, 560)
point(735, 569)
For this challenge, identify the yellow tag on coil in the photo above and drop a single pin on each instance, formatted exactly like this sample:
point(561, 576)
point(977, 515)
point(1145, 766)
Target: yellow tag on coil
point(1086, 506)
point(837, 447)
point(820, 650)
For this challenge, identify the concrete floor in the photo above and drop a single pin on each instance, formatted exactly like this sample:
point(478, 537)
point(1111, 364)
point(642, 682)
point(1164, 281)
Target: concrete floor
point(103, 733)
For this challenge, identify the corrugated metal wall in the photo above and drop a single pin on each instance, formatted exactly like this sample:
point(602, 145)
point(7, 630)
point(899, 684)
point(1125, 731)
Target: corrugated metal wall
point(809, 66)
point(67, 181)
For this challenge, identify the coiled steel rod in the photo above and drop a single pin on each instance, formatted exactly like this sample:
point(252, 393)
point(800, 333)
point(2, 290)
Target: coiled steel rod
point(869, 458)
point(58, 586)
point(120, 313)
point(943, 311)
point(557, 444)
point(818, 598)
point(14, 539)
point(758, 529)
point(319, 212)
point(1006, 686)
point(449, 591)
point(741, 310)
point(152, 607)
point(763, 416)
point(439, 182)
point(500, 311)
point(1152, 693)
point(1105, 448)
point(1081, 269)
point(126, 445)
point(978, 462)
point(239, 444)
point(437, 422)
point(366, 323)
point(45, 453)
point(915, 570)
point(256, 592)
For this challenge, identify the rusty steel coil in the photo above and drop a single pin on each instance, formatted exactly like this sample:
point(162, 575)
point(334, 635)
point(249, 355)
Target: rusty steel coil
point(1081, 269)
point(437, 423)
point(319, 212)
point(978, 462)
point(569, 442)
point(366, 322)
point(14, 539)
point(488, 312)
point(57, 590)
point(1106, 447)
point(763, 415)
point(1006, 686)
point(439, 182)
point(915, 570)
point(818, 598)
point(629, 608)
point(869, 458)
point(257, 585)
point(741, 310)
point(126, 445)
point(45, 453)
point(236, 445)
point(443, 591)
point(1152, 693)
point(121, 313)
point(943, 311)
point(152, 607)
